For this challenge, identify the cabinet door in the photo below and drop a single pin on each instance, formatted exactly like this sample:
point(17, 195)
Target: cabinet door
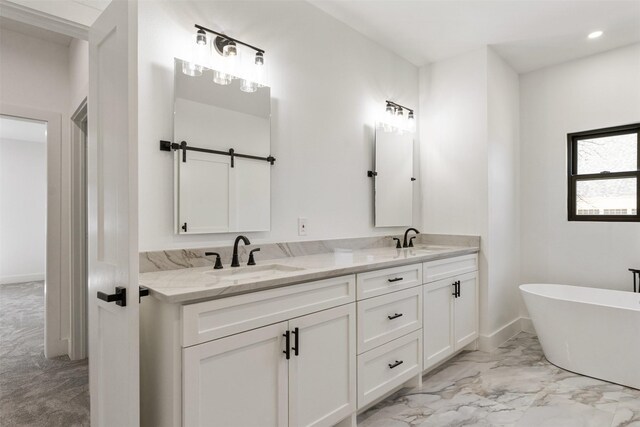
point(438, 321)
point(322, 372)
point(466, 310)
point(239, 381)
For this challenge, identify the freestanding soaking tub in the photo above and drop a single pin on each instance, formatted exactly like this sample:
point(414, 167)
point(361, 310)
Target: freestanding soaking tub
point(593, 332)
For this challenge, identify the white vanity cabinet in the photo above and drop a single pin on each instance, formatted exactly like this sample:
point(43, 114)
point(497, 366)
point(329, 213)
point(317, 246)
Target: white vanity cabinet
point(450, 318)
point(389, 330)
point(250, 379)
point(226, 362)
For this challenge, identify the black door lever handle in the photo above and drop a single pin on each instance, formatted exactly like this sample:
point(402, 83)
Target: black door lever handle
point(120, 297)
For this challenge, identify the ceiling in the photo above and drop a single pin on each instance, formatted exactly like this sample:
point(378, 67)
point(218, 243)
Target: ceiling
point(83, 12)
point(528, 34)
point(18, 129)
point(33, 31)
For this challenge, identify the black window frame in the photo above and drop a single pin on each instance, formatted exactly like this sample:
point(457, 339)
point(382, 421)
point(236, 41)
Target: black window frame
point(573, 177)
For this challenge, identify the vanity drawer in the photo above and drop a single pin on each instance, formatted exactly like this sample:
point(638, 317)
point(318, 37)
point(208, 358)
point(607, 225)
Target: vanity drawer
point(209, 320)
point(387, 317)
point(379, 370)
point(393, 279)
point(448, 267)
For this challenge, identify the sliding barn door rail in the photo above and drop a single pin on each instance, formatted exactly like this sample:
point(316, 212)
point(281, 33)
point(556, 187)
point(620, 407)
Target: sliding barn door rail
point(173, 146)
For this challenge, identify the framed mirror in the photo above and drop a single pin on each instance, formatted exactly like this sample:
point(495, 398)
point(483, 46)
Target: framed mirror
point(216, 192)
point(393, 177)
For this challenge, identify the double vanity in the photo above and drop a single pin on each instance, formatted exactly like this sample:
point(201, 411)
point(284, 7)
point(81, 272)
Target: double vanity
point(301, 340)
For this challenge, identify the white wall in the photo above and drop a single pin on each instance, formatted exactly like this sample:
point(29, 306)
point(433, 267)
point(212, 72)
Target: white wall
point(328, 85)
point(454, 152)
point(78, 73)
point(594, 92)
point(503, 245)
point(469, 147)
point(23, 208)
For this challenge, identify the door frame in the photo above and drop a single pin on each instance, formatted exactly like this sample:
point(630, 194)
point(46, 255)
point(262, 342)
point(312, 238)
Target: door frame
point(78, 343)
point(55, 343)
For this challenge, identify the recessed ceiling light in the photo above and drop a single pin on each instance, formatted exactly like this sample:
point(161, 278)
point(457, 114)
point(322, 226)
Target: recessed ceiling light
point(595, 34)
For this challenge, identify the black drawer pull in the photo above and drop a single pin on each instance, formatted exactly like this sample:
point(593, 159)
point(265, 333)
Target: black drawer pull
point(395, 316)
point(393, 365)
point(397, 279)
point(296, 341)
point(287, 350)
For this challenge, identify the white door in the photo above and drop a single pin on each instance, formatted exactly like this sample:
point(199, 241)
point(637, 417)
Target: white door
point(322, 369)
point(238, 381)
point(113, 216)
point(466, 310)
point(437, 321)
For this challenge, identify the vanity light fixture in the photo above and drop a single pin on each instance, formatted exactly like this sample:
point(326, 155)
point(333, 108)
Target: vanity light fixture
point(230, 64)
point(395, 117)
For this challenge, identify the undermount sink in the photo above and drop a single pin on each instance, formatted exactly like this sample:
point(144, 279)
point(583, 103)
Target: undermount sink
point(253, 272)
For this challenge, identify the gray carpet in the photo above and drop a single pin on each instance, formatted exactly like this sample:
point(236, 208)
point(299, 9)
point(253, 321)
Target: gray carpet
point(35, 391)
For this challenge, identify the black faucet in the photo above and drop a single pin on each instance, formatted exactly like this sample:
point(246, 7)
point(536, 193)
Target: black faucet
point(408, 244)
point(252, 260)
point(235, 262)
point(218, 265)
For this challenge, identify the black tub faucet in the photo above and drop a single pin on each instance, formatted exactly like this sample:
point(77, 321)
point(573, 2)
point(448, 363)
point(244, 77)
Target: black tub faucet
point(235, 262)
point(409, 244)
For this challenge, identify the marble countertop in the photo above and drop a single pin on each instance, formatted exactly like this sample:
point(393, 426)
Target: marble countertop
point(189, 285)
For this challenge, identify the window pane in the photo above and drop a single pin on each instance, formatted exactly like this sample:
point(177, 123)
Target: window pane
point(616, 153)
point(606, 197)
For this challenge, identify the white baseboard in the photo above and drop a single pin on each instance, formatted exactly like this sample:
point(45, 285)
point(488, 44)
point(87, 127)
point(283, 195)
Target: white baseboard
point(491, 342)
point(527, 325)
point(21, 278)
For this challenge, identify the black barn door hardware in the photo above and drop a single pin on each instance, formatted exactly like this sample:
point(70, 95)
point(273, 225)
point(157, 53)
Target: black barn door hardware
point(287, 343)
point(120, 297)
point(636, 279)
point(172, 146)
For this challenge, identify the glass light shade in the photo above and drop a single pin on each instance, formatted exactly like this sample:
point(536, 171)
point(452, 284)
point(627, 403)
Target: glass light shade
point(390, 110)
point(191, 69)
point(248, 86)
point(230, 49)
point(222, 78)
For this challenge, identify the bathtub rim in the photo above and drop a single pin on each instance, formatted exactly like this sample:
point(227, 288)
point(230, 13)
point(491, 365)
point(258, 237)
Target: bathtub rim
point(524, 288)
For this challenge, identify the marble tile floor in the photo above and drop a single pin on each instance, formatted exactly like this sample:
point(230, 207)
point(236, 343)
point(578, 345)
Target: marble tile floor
point(513, 386)
point(35, 391)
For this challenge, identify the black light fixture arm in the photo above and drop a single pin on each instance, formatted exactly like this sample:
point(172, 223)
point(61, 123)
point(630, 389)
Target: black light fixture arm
point(395, 104)
point(209, 30)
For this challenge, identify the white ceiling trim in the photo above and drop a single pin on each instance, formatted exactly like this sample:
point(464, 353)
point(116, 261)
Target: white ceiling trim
point(44, 20)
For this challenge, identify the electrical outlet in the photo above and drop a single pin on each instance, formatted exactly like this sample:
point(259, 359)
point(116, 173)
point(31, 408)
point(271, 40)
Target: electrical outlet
point(302, 226)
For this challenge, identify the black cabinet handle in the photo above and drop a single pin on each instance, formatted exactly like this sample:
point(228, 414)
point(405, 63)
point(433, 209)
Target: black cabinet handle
point(458, 287)
point(120, 297)
point(395, 316)
point(296, 341)
point(287, 350)
point(397, 279)
point(455, 289)
point(393, 365)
